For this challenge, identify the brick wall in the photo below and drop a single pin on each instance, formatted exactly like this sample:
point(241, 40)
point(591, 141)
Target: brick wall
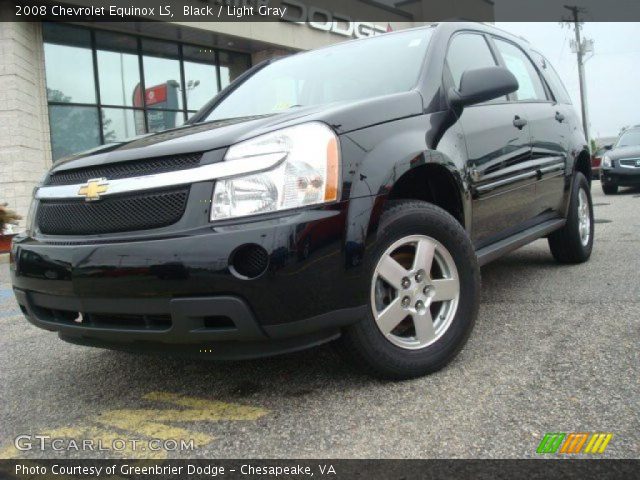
point(25, 150)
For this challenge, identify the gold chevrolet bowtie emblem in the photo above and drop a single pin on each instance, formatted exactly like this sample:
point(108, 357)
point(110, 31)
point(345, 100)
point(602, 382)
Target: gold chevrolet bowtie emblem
point(94, 187)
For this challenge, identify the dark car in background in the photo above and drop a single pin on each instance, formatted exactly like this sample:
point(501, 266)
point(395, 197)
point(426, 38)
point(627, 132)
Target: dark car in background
point(346, 194)
point(621, 162)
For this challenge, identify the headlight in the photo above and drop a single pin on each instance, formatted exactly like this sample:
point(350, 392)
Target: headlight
point(606, 162)
point(307, 174)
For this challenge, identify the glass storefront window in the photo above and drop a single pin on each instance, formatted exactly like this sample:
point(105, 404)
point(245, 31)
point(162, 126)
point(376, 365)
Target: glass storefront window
point(73, 129)
point(201, 80)
point(162, 75)
point(200, 76)
point(119, 124)
point(119, 75)
point(95, 81)
point(69, 68)
point(159, 120)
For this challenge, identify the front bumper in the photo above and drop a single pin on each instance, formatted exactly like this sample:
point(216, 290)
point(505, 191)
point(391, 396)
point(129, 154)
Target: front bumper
point(624, 177)
point(188, 330)
point(179, 292)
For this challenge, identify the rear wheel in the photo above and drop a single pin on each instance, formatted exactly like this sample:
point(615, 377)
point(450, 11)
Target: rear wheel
point(609, 189)
point(424, 294)
point(573, 242)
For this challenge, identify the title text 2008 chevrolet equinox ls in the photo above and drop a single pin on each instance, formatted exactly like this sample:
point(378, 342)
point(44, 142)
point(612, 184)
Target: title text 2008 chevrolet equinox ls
point(349, 193)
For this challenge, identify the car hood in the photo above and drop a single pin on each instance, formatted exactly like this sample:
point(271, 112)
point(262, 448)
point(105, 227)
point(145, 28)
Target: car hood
point(624, 152)
point(201, 137)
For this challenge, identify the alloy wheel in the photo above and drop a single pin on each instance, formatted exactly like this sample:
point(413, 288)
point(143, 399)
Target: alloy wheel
point(415, 292)
point(584, 217)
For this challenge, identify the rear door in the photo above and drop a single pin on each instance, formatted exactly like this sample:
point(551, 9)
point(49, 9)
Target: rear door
point(548, 124)
point(498, 142)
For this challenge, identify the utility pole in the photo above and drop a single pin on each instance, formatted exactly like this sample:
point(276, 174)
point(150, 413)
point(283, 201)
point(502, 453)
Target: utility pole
point(580, 47)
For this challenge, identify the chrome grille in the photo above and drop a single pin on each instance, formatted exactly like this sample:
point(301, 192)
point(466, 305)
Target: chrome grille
point(630, 162)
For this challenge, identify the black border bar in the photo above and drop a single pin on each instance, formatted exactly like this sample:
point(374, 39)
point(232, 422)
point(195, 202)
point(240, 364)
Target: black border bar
point(320, 12)
point(603, 469)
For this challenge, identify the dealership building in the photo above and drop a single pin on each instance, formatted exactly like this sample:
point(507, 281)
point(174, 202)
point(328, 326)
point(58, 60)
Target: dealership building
point(69, 87)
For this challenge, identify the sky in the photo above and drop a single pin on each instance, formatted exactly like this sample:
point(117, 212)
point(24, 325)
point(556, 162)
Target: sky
point(612, 73)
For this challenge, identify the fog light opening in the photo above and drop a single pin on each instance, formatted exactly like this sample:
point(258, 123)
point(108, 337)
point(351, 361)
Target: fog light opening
point(249, 261)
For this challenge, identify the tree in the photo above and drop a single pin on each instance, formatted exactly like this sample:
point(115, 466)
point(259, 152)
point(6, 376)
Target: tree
point(74, 128)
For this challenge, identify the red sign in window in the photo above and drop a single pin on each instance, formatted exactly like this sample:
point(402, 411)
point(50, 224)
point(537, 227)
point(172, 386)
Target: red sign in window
point(157, 94)
point(153, 95)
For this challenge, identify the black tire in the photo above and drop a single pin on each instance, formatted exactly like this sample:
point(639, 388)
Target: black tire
point(609, 189)
point(365, 344)
point(566, 244)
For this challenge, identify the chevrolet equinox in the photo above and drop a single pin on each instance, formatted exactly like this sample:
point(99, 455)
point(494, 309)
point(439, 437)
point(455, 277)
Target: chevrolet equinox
point(345, 194)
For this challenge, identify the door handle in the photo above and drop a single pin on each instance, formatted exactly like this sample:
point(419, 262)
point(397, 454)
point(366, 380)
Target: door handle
point(519, 123)
point(559, 117)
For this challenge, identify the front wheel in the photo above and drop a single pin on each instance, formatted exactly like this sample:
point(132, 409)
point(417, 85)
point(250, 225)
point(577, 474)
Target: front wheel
point(609, 189)
point(424, 294)
point(573, 242)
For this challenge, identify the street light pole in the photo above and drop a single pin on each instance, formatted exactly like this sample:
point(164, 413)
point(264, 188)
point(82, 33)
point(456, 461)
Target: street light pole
point(581, 47)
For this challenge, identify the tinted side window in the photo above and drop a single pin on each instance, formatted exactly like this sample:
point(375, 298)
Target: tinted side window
point(556, 85)
point(531, 87)
point(467, 52)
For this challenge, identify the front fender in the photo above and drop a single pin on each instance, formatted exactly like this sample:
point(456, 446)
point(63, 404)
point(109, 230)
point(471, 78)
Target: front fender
point(378, 157)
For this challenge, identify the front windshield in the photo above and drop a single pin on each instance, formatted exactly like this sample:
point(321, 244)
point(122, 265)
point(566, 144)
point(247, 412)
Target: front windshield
point(630, 138)
point(383, 65)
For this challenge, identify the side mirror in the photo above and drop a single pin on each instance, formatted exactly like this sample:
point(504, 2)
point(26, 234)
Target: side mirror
point(481, 85)
point(608, 147)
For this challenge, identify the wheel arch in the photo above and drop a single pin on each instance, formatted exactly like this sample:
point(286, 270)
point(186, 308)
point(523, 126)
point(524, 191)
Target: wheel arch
point(583, 165)
point(434, 183)
point(429, 176)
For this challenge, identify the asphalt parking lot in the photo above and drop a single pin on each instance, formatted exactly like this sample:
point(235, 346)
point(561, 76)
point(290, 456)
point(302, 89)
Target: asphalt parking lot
point(555, 349)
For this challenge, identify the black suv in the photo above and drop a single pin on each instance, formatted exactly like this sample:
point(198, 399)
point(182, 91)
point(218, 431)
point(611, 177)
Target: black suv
point(621, 162)
point(349, 193)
